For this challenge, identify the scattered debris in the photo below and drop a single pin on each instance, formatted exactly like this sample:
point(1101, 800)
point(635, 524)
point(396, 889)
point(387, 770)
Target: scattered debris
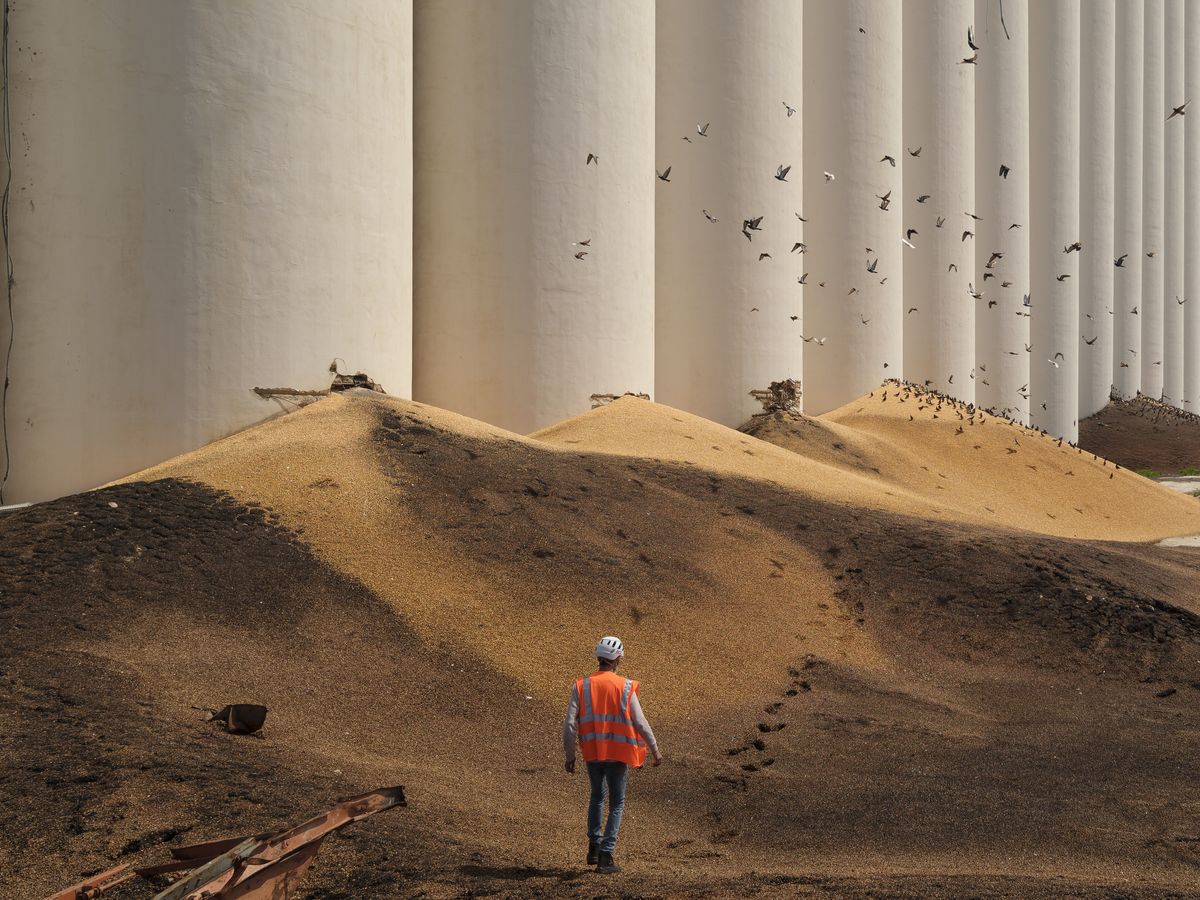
point(260, 866)
point(240, 718)
point(96, 885)
point(599, 400)
point(781, 397)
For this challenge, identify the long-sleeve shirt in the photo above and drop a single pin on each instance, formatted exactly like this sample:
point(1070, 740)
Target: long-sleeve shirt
point(571, 724)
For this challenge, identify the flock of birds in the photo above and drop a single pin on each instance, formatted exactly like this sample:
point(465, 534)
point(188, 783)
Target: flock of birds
point(990, 270)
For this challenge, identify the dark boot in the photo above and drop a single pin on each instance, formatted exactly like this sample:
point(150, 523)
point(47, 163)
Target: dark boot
point(606, 865)
point(593, 853)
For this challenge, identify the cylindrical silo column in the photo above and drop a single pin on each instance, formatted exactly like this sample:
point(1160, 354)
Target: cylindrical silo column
point(1097, 41)
point(1191, 213)
point(728, 317)
point(939, 162)
point(1054, 216)
point(1002, 203)
point(207, 198)
point(852, 130)
point(1151, 353)
point(1127, 202)
point(1174, 251)
point(534, 219)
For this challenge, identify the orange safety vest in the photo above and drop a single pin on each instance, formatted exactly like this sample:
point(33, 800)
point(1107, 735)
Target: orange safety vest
point(606, 732)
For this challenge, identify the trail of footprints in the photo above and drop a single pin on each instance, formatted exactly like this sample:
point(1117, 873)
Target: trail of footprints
point(752, 755)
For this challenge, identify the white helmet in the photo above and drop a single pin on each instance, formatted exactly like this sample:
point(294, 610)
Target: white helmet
point(610, 648)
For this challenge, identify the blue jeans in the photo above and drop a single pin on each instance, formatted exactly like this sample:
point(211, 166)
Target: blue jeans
point(610, 778)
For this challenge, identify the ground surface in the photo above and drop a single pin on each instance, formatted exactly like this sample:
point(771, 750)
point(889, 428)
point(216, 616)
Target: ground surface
point(1144, 434)
point(858, 694)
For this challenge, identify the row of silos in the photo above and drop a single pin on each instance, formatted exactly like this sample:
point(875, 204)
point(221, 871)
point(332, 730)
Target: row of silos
point(686, 198)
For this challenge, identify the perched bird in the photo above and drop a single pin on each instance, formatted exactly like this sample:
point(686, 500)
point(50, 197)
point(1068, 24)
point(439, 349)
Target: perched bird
point(703, 132)
point(1073, 248)
point(913, 153)
point(782, 172)
point(889, 159)
point(791, 110)
point(664, 176)
point(1178, 110)
point(710, 216)
point(1119, 262)
point(592, 158)
point(1004, 170)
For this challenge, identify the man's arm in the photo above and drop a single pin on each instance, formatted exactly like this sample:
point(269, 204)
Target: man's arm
point(571, 730)
point(643, 728)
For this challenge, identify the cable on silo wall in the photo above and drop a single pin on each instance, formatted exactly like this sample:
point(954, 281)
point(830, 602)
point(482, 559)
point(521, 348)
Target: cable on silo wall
point(8, 262)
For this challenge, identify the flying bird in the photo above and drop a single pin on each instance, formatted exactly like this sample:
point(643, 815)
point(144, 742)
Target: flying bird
point(972, 215)
point(923, 198)
point(971, 60)
point(801, 218)
point(586, 243)
point(782, 172)
point(1013, 225)
point(581, 254)
point(913, 153)
point(971, 38)
point(1004, 170)
point(592, 158)
point(791, 110)
point(1178, 110)
point(710, 216)
point(829, 176)
point(889, 159)
point(993, 259)
point(1063, 277)
point(1151, 253)
point(967, 234)
point(953, 267)
point(910, 232)
point(803, 279)
point(664, 176)
point(911, 310)
point(1092, 341)
point(703, 132)
point(871, 265)
point(863, 319)
point(763, 255)
point(941, 220)
point(1181, 302)
point(1073, 248)
point(1119, 262)
point(801, 246)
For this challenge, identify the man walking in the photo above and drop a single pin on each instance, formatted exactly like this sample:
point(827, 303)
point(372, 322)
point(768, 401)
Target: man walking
point(605, 715)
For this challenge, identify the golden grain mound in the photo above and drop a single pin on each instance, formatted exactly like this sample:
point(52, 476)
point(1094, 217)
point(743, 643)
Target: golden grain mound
point(907, 452)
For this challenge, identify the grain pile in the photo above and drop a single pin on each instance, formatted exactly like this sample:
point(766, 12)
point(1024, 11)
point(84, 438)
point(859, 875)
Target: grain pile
point(860, 689)
point(1144, 434)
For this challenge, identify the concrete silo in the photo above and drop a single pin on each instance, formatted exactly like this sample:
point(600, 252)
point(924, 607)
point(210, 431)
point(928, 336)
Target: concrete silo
point(534, 218)
point(1127, 205)
point(207, 197)
point(939, 183)
point(1002, 139)
point(1151, 355)
point(853, 72)
point(728, 319)
point(1191, 213)
point(1054, 217)
point(1096, 186)
point(1174, 248)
